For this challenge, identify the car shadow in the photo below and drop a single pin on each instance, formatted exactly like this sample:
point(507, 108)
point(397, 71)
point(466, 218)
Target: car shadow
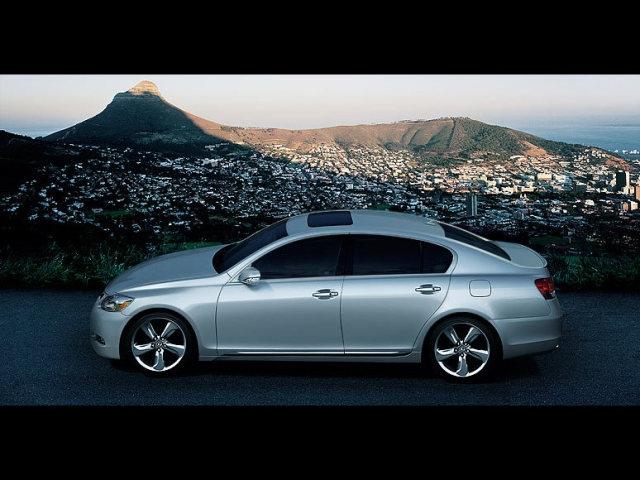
point(509, 370)
point(306, 369)
point(249, 368)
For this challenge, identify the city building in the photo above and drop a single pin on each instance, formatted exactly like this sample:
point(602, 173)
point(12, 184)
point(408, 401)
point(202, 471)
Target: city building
point(622, 180)
point(472, 205)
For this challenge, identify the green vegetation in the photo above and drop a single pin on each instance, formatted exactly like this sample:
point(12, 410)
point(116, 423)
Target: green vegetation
point(470, 135)
point(70, 268)
point(96, 267)
point(546, 240)
point(595, 273)
point(381, 206)
point(114, 213)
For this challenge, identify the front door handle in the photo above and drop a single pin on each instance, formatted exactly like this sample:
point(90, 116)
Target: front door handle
point(325, 293)
point(428, 289)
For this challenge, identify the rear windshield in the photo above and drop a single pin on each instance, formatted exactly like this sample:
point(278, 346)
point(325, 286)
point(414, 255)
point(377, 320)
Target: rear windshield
point(230, 255)
point(469, 238)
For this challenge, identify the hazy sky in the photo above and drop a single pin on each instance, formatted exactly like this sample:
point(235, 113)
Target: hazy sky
point(40, 104)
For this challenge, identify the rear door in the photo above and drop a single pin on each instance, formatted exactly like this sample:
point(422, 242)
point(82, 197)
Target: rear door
point(392, 286)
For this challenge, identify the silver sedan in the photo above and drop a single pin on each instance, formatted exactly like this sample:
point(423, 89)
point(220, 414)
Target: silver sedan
point(366, 286)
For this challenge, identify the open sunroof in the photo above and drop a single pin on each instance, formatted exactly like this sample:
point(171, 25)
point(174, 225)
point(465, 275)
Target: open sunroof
point(329, 219)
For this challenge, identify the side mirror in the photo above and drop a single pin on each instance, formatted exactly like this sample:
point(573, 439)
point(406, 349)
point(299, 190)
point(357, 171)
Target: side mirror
point(249, 276)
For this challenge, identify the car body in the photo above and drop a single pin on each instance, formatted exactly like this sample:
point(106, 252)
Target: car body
point(338, 286)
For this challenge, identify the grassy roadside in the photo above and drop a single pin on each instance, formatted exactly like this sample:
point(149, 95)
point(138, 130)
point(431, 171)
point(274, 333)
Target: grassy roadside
point(94, 268)
point(605, 273)
point(79, 269)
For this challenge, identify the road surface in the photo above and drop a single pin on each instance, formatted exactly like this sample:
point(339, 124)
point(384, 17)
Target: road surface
point(47, 360)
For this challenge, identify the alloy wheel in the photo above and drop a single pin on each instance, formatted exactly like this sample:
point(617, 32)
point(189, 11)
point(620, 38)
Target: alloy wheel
point(158, 344)
point(462, 349)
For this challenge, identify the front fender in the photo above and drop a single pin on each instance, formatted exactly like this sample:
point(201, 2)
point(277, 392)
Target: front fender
point(197, 305)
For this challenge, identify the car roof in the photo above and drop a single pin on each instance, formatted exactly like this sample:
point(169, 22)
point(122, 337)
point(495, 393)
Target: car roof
point(368, 221)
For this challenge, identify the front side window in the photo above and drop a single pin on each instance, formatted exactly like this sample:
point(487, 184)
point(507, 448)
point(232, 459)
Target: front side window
point(234, 253)
point(313, 257)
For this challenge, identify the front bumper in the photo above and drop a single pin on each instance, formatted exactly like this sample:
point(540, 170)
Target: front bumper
point(526, 336)
point(105, 329)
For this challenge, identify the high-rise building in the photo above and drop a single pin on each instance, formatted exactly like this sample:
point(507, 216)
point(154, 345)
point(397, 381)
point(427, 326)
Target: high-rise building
point(622, 180)
point(472, 205)
point(637, 191)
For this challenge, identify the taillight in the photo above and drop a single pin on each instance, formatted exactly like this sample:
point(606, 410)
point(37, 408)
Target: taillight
point(546, 287)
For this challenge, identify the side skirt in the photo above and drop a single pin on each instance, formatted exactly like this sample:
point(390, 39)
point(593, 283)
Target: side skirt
point(305, 353)
point(399, 356)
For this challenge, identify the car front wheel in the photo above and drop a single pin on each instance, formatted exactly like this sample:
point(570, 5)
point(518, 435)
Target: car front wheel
point(463, 349)
point(159, 344)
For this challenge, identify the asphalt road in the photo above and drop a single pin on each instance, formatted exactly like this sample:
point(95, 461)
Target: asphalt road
point(46, 359)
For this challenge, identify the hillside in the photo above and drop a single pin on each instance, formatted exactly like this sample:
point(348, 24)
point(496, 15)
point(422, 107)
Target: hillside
point(447, 136)
point(141, 117)
point(20, 156)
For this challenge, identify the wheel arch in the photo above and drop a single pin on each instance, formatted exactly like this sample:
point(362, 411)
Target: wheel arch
point(141, 313)
point(475, 316)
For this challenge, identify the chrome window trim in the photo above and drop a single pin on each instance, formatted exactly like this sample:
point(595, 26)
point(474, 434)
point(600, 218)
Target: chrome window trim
point(290, 239)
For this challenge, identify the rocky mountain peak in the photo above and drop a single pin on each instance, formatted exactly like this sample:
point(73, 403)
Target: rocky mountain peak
point(145, 87)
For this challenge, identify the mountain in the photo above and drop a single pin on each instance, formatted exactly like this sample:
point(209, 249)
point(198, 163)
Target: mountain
point(20, 156)
point(141, 117)
point(444, 136)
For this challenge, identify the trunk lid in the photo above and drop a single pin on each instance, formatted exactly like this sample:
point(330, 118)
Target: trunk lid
point(523, 256)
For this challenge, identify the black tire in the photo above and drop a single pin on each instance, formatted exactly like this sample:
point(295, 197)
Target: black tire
point(460, 323)
point(160, 318)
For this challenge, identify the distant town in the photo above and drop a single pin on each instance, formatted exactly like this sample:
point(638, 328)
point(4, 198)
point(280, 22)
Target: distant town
point(576, 205)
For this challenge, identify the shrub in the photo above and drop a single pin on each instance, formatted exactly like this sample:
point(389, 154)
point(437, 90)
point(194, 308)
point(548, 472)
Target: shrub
point(95, 266)
point(84, 268)
point(590, 273)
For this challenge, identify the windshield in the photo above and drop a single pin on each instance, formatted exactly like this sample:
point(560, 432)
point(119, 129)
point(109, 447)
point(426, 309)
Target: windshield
point(230, 255)
point(469, 238)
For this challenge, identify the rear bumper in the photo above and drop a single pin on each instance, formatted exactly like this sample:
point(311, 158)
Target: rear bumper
point(105, 329)
point(527, 336)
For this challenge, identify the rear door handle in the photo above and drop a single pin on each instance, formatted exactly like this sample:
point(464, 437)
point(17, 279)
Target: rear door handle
point(325, 293)
point(428, 289)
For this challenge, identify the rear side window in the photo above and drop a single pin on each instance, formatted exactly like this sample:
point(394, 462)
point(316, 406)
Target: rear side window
point(469, 238)
point(379, 255)
point(314, 257)
point(435, 259)
point(382, 255)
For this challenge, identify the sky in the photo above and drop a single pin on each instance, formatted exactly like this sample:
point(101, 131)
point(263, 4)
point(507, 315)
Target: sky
point(41, 104)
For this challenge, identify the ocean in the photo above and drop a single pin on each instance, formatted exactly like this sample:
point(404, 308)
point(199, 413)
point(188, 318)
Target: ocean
point(610, 137)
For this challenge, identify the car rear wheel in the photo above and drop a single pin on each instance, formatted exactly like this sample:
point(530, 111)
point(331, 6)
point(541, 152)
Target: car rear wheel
point(463, 349)
point(159, 344)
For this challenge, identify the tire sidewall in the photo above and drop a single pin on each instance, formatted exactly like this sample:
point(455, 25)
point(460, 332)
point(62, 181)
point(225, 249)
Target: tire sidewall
point(487, 372)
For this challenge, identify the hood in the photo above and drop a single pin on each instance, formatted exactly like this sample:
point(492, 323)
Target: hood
point(185, 265)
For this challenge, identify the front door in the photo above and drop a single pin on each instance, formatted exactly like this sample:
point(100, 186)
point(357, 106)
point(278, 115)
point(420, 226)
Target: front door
point(293, 309)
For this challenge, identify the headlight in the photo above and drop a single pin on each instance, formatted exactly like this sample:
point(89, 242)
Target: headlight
point(115, 303)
